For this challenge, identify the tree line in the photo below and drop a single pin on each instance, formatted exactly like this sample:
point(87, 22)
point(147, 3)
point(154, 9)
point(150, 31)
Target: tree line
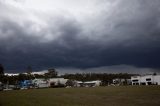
point(52, 73)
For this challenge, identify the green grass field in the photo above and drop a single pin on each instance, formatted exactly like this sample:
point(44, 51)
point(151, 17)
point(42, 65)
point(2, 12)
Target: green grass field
point(100, 96)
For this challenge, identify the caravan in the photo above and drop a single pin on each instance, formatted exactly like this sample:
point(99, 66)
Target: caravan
point(40, 83)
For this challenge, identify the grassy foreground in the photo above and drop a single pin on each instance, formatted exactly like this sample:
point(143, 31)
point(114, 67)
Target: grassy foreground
point(100, 96)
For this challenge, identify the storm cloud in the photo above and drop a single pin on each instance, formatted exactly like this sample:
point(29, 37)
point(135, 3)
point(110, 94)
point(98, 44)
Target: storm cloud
point(81, 34)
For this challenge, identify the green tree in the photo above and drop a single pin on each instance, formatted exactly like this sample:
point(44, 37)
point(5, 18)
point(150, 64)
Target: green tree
point(29, 73)
point(1, 73)
point(1, 69)
point(22, 77)
point(29, 70)
point(70, 83)
point(52, 73)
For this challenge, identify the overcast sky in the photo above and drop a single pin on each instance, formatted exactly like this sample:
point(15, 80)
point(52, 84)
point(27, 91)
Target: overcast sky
point(98, 35)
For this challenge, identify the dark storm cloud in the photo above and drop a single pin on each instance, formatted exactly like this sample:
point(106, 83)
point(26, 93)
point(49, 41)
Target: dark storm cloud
point(125, 33)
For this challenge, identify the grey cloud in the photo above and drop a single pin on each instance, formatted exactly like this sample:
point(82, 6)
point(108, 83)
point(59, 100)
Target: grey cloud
point(126, 34)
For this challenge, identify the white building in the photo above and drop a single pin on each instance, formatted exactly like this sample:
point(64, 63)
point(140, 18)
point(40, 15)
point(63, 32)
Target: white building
point(57, 81)
point(146, 80)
